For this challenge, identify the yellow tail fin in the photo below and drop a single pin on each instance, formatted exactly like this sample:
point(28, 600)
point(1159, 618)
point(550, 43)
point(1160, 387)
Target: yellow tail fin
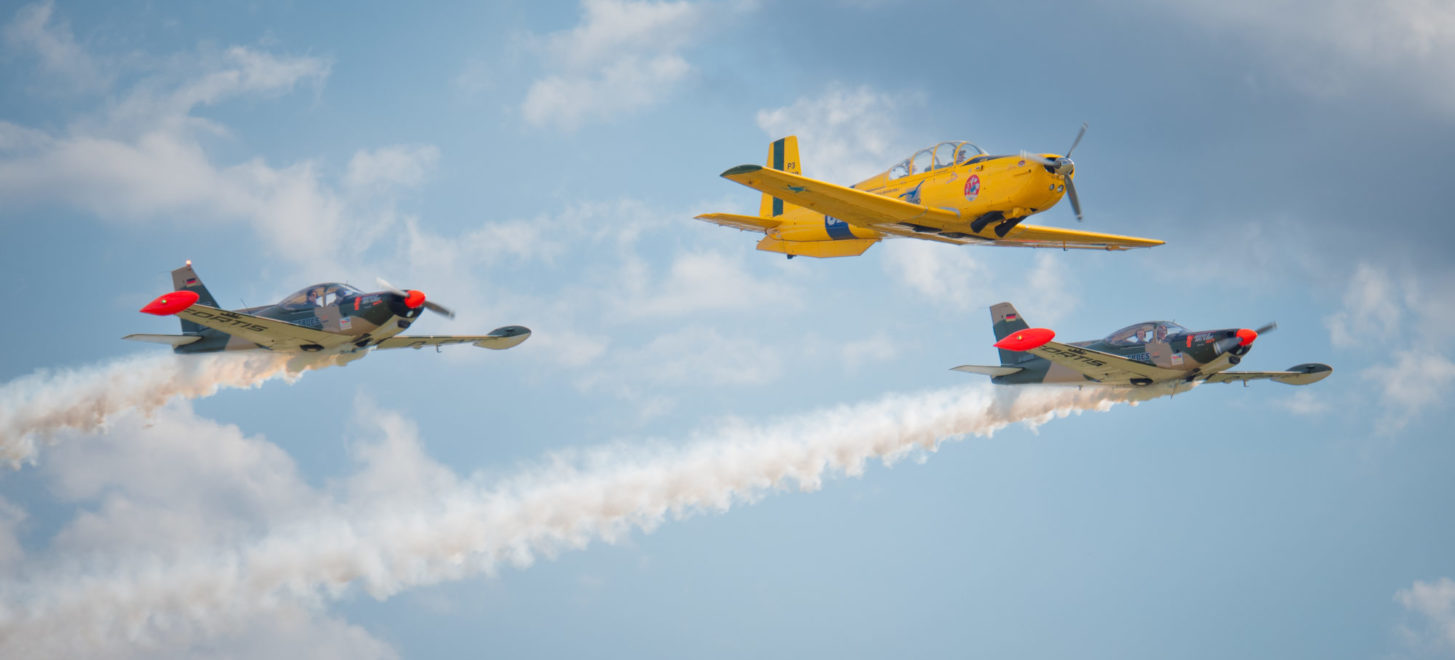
point(782, 155)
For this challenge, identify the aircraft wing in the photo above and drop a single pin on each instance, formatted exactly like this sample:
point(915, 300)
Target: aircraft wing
point(266, 332)
point(1103, 367)
point(1052, 237)
point(1302, 374)
point(498, 339)
point(855, 207)
point(890, 215)
point(743, 222)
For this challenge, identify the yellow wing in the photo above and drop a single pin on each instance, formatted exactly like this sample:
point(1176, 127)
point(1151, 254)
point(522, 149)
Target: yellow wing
point(265, 332)
point(855, 207)
point(899, 218)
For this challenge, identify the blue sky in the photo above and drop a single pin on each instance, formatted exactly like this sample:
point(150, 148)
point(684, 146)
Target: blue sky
point(685, 458)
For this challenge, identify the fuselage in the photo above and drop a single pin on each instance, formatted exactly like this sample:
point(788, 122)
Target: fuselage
point(366, 318)
point(1157, 343)
point(991, 194)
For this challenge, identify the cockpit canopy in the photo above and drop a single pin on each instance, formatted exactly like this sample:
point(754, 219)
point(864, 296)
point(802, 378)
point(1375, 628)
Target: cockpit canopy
point(1142, 333)
point(944, 154)
point(319, 295)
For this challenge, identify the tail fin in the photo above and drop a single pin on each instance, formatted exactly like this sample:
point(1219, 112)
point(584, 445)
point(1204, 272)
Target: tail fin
point(185, 279)
point(782, 155)
point(1006, 320)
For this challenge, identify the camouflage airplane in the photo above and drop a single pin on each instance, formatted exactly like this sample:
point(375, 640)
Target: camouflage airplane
point(952, 193)
point(330, 319)
point(1155, 352)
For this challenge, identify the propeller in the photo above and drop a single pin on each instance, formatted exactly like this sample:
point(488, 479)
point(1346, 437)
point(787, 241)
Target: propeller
point(415, 298)
point(1243, 338)
point(1063, 166)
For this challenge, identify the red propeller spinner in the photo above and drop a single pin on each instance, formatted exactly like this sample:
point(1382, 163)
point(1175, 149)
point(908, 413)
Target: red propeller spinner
point(413, 298)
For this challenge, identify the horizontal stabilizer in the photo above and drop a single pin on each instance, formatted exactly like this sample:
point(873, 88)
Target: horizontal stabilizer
point(988, 371)
point(852, 247)
point(743, 222)
point(172, 340)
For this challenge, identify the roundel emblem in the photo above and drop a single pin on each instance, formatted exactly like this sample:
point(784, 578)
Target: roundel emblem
point(972, 187)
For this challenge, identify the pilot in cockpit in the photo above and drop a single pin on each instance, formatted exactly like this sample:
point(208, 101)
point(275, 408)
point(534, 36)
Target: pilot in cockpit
point(1161, 333)
point(315, 296)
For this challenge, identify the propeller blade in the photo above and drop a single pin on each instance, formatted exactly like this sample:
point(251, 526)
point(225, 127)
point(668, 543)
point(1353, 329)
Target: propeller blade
point(1267, 328)
point(438, 309)
point(390, 287)
point(1077, 140)
point(423, 300)
point(1075, 201)
point(1038, 159)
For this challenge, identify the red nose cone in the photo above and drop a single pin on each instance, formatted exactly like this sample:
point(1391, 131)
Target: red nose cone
point(1025, 340)
point(1246, 336)
point(414, 299)
point(170, 303)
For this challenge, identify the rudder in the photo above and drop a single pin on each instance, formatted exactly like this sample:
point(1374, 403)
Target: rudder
point(782, 156)
point(1006, 320)
point(185, 279)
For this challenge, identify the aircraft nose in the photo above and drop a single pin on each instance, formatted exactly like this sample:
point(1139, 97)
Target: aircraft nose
point(414, 298)
point(1246, 337)
point(1065, 166)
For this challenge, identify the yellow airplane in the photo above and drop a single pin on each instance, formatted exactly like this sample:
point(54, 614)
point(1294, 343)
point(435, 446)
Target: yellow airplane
point(953, 192)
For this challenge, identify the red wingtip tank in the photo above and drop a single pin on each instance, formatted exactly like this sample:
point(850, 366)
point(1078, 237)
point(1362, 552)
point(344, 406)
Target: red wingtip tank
point(1025, 340)
point(170, 303)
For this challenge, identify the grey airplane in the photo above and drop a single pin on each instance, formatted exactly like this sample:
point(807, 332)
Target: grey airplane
point(1149, 353)
point(329, 319)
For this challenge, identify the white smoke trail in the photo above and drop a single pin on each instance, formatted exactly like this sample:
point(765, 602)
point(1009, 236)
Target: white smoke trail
point(470, 527)
point(34, 407)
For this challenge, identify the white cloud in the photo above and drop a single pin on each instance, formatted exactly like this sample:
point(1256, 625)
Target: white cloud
point(1409, 382)
point(943, 274)
point(1434, 603)
point(402, 166)
point(152, 491)
point(857, 353)
point(1343, 47)
point(844, 135)
point(403, 520)
point(1372, 309)
point(288, 631)
point(1304, 402)
point(394, 471)
point(143, 158)
point(952, 276)
point(1412, 313)
point(695, 355)
point(475, 78)
point(236, 485)
point(11, 553)
point(53, 44)
point(622, 57)
point(696, 282)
